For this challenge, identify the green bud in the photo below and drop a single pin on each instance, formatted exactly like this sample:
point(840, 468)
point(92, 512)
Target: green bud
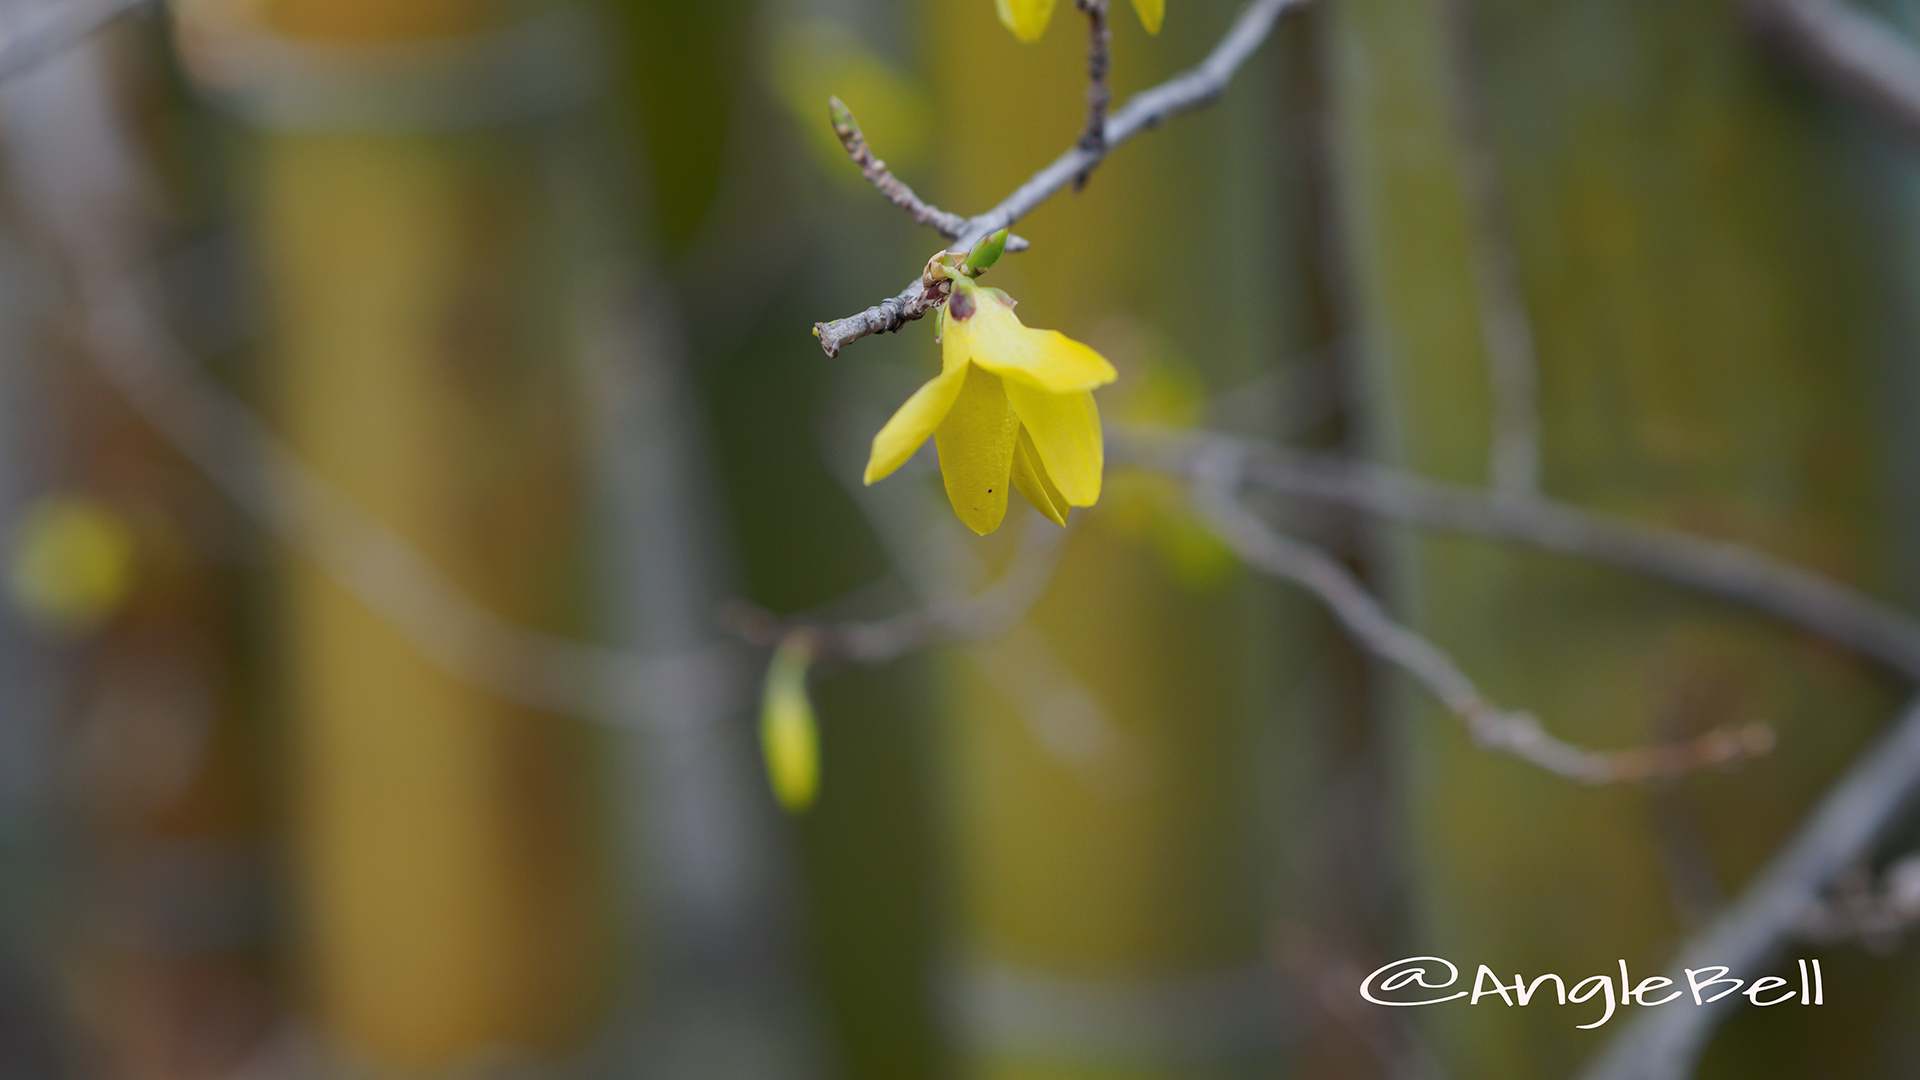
point(842, 117)
point(789, 737)
point(986, 253)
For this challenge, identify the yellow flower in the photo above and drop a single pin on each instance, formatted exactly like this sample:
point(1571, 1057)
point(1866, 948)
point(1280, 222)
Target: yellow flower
point(1150, 12)
point(1011, 405)
point(1028, 18)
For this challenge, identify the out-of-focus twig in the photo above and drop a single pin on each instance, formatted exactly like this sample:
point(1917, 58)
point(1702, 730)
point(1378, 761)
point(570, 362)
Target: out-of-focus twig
point(1504, 324)
point(56, 28)
point(1058, 712)
point(986, 614)
point(1876, 913)
point(125, 340)
point(1734, 572)
point(944, 222)
point(1217, 478)
point(1855, 52)
point(1664, 1044)
point(1099, 93)
point(1147, 109)
point(222, 436)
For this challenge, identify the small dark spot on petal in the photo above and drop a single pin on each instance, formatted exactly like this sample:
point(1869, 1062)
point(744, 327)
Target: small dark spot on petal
point(960, 307)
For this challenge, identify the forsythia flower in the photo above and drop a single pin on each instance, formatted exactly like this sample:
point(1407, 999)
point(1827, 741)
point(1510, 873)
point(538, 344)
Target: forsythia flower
point(1028, 18)
point(1010, 405)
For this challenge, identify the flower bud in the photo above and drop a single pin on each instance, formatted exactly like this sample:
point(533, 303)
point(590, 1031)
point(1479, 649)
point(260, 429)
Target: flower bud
point(842, 117)
point(986, 253)
point(789, 737)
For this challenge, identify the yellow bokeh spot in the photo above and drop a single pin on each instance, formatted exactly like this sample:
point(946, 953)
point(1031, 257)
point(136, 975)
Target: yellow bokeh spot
point(72, 563)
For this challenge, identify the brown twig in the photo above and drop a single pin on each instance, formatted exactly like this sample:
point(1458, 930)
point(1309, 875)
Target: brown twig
point(1147, 109)
point(886, 317)
point(1664, 1044)
point(1217, 478)
point(1856, 53)
point(944, 222)
point(1099, 94)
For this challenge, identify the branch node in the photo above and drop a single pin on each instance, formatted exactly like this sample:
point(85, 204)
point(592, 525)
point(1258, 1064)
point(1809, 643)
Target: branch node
point(1147, 109)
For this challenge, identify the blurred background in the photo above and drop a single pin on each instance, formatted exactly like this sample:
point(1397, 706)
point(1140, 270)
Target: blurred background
point(408, 414)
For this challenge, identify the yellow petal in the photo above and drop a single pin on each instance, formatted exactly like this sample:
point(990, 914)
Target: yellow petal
point(976, 451)
point(1030, 479)
point(911, 425)
point(1066, 433)
point(1043, 359)
point(1150, 12)
point(993, 337)
point(1026, 18)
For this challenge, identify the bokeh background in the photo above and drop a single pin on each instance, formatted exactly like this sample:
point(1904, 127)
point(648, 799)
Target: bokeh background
point(408, 414)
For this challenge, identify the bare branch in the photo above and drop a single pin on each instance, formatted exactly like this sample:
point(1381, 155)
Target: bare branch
point(987, 614)
point(1877, 914)
point(236, 449)
point(1856, 53)
point(1147, 109)
point(1664, 1044)
point(1099, 94)
point(944, 222)
point(127, 343)
point(1218, 475)
point(886, 317)
point(1505, 326)
point(1731, 571)
point(53, 30)
point(1059, 713)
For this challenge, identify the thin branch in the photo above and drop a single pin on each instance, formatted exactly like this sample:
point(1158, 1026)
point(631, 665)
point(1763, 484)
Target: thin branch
point(1099, 94)
point(1217, 478)
point(1877, 914)
point(52, 30)
point(1147, 109)
point(1855, 52)
point(216, 431)
point(944, 222)
point(1664, 1044)
point(1731, 571)
point(1505, 326)
point(123, 338)
point(986, 614)
point(1058, 712)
